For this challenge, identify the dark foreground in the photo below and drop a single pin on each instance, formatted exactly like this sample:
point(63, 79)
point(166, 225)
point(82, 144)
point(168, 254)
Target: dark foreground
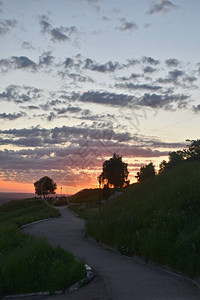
point(117, 277)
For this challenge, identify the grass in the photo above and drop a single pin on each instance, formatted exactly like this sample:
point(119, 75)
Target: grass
point(30, 264)
point(158, 220)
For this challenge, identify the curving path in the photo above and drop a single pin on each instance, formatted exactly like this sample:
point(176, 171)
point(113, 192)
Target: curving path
point(117, 277)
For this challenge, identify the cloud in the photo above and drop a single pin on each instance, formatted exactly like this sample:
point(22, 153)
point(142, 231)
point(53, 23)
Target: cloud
point(172, 62)
point(127, 25)
point(109, 66)
point(19, 94)
point(46, 59)
point(57, 34)
point(106, 98)
point(150, 61)
point(70, 109)
point(133, 76)
point(37, 137)
point(78, 63)
point(32, 107)
point(164, 101)
point(132, 86)
point(11, 117)
point(27, 46)
point(164, 6)
point(178, 77)
point(25, 63)
point(149, 69)
point(7, 25)
point(196, 108)
point(198, 66)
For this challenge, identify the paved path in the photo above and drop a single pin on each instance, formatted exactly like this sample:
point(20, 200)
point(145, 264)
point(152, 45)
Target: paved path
point(117, 277)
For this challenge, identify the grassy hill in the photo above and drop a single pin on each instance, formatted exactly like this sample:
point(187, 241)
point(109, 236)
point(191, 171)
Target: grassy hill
point(83, 196)
point(29, 264)
point(158, 220)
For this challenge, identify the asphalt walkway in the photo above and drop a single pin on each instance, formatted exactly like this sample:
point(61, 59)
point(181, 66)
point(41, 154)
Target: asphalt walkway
point(116, 277)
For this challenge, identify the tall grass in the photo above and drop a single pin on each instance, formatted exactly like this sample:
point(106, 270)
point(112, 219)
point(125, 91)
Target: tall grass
point(29, 264)
point(158, 220)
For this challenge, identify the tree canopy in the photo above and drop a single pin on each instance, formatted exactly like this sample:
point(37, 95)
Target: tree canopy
point(192, 152)
point(115, 172)
point(45, 186)
point(146, 172)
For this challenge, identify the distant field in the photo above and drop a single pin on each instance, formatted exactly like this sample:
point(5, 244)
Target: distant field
point(6, 197)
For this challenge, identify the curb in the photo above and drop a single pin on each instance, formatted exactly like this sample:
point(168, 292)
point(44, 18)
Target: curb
point(90, 276)
point(195, 282)
point(39, 221)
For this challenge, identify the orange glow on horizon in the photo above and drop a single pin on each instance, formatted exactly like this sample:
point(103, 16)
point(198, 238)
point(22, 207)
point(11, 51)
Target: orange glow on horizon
point(17, 187)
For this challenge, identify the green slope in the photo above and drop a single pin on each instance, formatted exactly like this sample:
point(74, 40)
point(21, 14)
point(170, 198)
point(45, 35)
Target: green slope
point(158, 220)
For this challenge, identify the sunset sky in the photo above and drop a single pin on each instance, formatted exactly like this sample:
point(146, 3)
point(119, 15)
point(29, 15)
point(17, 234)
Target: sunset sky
point(83, 79)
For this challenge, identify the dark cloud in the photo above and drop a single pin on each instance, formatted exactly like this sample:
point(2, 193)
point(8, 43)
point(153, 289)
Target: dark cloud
point(196, 108)
point(7, 25)
point(92, 65)
point(46, 59)
point(37, 137)
point(163, 6)
point(106, 98)
point(17, 62)
point(110, 66)
point(70, 109)
point(57, 34)
point(133, 76)
point(132, 86)
point(178, 77)
point(69, 62)
point(150, 61)
point(32, 107)
point(20, 94)
point(11, 117)
point(172, 62)
point(149, 69)
point(164, 101)
point(23, 62)
point(127, 26)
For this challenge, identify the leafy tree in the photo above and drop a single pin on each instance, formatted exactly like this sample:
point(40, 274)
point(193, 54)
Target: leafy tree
point(115, 172)
point(146, 172)
point(162, 166)
point(193, 151)
point(175, 158)
point(45, 186)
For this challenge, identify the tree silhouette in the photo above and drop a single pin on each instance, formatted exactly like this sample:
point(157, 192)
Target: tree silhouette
point(146, 172)
point(193, 151)
point(45, 186)
point(115, 172)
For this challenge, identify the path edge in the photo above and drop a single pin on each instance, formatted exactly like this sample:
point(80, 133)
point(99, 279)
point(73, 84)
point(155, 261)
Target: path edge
point(89, 277)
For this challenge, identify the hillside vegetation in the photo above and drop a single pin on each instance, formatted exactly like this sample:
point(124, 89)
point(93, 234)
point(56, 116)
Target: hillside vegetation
point(83, 196)
point(29, 264)
point(159, 219)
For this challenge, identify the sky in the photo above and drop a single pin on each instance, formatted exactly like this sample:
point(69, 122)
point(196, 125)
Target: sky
point(83, 79)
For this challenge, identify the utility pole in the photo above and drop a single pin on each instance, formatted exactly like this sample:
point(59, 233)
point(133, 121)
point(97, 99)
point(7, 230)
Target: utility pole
point(99, 179)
